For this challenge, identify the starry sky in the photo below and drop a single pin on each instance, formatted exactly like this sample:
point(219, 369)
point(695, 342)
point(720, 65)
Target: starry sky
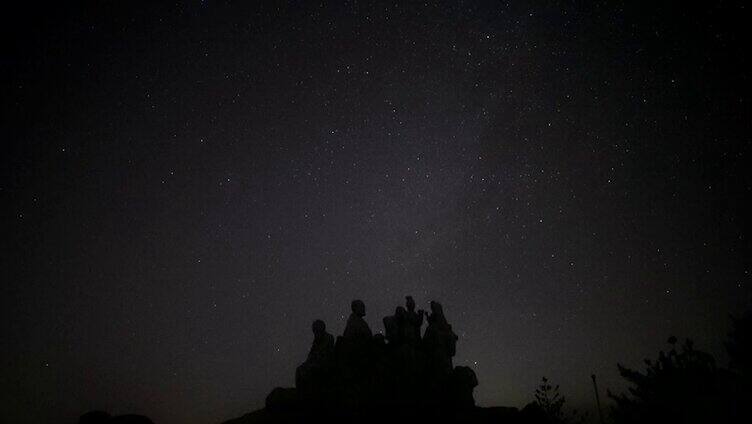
point(187, 185)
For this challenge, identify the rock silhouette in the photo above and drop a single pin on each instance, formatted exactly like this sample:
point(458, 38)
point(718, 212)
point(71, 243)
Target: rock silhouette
point(404, 375)
point(362, 373)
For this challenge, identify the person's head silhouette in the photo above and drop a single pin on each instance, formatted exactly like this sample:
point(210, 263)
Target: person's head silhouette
point(400, 312)
point(318, 327)
point(410, 303)
point(358, 307)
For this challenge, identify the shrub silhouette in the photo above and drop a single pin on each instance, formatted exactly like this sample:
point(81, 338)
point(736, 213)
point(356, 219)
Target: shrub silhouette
point(682, 386)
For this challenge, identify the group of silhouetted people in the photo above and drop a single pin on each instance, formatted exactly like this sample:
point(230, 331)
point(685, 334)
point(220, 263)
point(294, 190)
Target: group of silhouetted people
point(404, 367)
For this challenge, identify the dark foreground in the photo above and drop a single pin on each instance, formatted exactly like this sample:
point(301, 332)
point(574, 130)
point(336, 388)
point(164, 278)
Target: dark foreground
point(497, 415)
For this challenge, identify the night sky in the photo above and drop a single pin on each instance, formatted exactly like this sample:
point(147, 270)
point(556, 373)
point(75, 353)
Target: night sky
point(185, 187)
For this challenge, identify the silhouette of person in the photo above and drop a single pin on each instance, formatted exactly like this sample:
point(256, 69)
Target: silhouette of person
point(412, 323)
point(400, 314)
point(354, 351)
point(314, 372)
point(406, 364)
point(439, 341)
point(357, 328)
point(322, 349)
point(392, 328)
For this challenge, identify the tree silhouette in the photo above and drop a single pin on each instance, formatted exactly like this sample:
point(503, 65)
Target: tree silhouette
point(682, 386)
point(549, 404)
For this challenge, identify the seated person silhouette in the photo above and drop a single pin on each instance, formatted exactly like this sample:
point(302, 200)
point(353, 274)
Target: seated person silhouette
point(357, 329)
point(354, 353)
point(313, 374)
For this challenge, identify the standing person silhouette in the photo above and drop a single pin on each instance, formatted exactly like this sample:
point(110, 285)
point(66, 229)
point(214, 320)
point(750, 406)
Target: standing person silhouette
point(413, 322)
